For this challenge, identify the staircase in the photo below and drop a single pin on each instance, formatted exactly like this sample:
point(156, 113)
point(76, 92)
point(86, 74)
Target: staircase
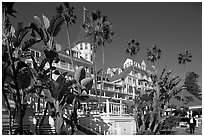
point(47, 129)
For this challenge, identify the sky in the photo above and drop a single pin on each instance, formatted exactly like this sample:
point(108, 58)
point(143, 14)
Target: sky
point(174, 27)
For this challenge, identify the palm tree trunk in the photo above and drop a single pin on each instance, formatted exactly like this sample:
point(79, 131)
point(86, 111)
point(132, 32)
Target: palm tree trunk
point(182, 88)
point(102, 84)
point(69, 45)
point(94, 67)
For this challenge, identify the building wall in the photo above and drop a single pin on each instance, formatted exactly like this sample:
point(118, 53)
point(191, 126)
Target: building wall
point(86, 51)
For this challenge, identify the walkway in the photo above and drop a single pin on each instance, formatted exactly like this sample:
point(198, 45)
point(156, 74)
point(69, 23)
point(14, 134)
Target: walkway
point(186, 131)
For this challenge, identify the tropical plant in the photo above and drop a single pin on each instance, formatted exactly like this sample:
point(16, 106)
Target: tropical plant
point(67, 13)
point(167, 90)
point(15, 71)
point(98, 31)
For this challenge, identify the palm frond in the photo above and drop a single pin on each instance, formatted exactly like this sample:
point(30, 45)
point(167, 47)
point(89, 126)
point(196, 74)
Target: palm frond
point(66, 4)
point(59, 9)
point(55, 25)
point(9, 8)
point(27, 44)
point(34, 26)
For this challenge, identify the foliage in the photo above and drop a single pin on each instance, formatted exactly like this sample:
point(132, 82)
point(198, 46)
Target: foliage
point(170, 122)
point(98, 29)
point(9, 8)
point(185, 57)
point(67, 14)
point(151, 113)
point(20, 81)
point(153, 53)
point(191, 83)
point(132, 47)
point(98, 32)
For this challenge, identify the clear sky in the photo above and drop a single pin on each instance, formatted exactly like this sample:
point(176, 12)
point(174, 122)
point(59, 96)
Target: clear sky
point(174, 27)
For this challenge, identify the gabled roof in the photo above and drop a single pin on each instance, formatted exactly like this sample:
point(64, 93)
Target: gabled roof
point(122, 75)
point(126, 72)
point(195, 101)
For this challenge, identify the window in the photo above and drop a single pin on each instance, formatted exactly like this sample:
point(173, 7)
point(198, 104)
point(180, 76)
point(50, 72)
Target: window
point(74, 54)
point(130, 90)
point(37, 54)
point(62, 63)
point(69, 65)
point(134, 81)
point(139, 82)
point(32, 53)
point(129, 80)
point(91, 47)
point(91, 58)
point(91, 70)
point(86, 56)
point(86, 47)
point(81, 46)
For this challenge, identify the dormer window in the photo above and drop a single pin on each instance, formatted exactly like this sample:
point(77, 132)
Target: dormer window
point(81, 46)
point(86, 47)
point(37, 54)
point(86, 56)
point(91, 58)
point(91, 47)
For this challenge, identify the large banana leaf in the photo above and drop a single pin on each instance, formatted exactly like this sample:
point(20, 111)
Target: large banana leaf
point(55, 25)
point(80, 74)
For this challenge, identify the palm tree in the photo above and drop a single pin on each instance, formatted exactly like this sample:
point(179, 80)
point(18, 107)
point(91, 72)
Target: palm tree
point(153, 53)
point(133, 49)
point(183, 59)
point(67, 13)
point(106, 36)
point(98, 32)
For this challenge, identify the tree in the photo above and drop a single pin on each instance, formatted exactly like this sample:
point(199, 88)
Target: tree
point(106, 36)
point(183, 59)
point(153, 53)
point(191, 83)
point(133, 49)
point(153, 119)
point(98, 32)
point(67, 13)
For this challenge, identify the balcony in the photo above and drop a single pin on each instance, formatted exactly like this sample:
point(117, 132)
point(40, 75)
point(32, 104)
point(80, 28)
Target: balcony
point(61, 65)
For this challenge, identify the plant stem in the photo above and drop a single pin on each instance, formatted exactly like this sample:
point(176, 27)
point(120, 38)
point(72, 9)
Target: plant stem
point(102, 84)
point(94, 67)
point(17, 89)
point(42, 120)
point(69, 45)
